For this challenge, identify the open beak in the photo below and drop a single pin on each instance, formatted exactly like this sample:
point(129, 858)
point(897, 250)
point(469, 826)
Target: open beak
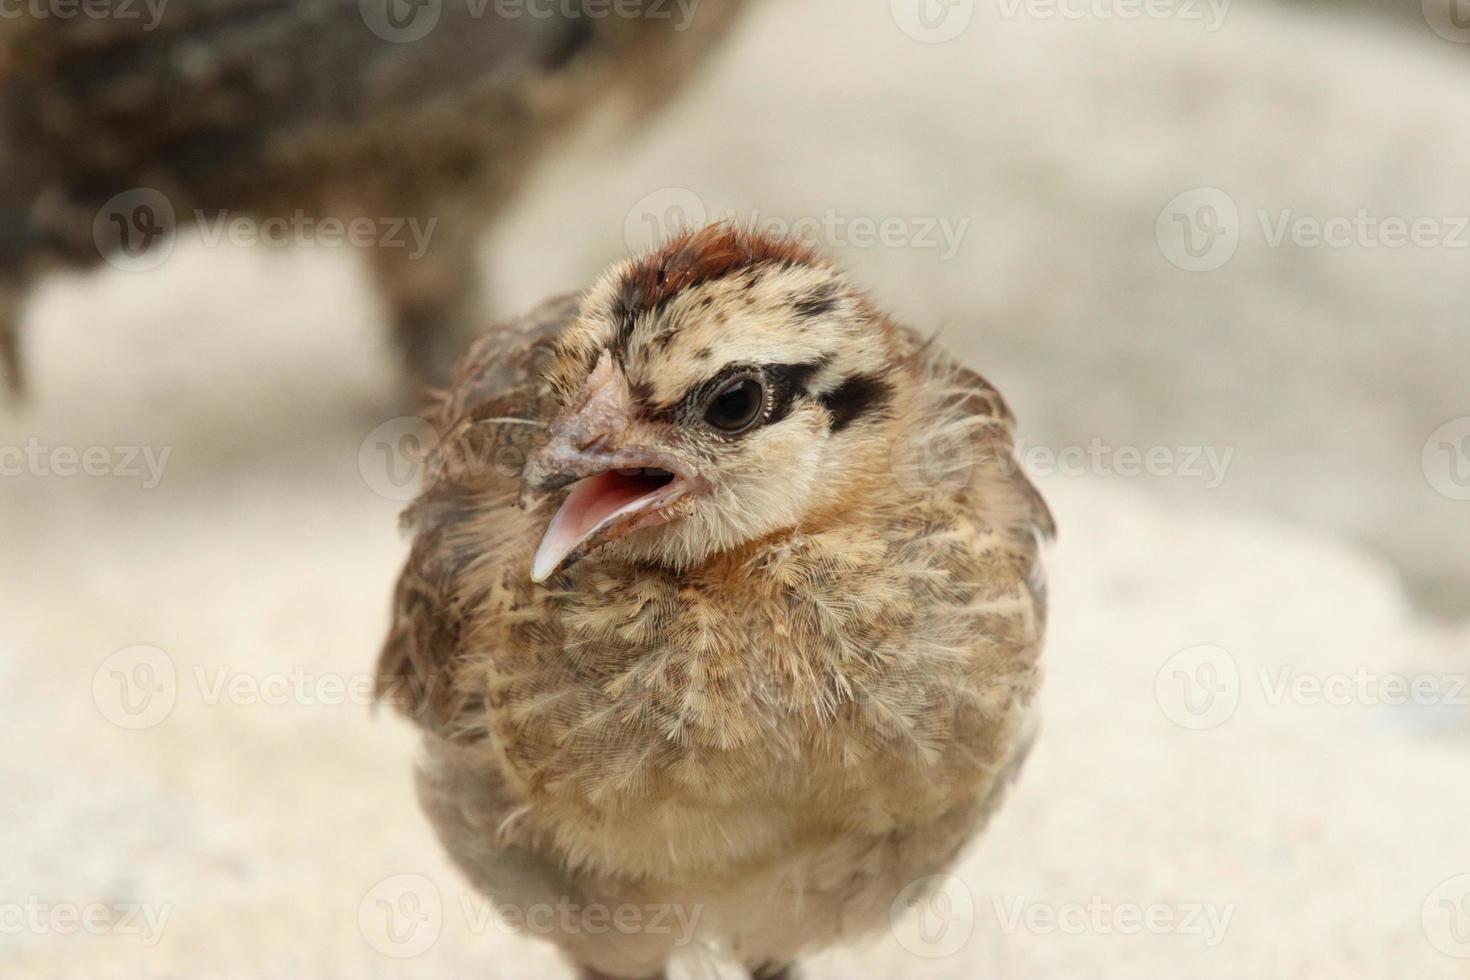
point(616, 489)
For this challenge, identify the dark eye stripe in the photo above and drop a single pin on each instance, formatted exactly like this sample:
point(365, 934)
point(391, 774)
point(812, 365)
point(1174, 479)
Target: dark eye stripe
point(784, 383)
point(856, 396)
point(788, 382)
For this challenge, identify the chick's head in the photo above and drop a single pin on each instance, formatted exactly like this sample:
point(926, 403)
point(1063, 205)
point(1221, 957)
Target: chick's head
point(718, 390)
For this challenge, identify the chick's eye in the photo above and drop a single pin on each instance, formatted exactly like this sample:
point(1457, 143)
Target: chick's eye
point(737, 407)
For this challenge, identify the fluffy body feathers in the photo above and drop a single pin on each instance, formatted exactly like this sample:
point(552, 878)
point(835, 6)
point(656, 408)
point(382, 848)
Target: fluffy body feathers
point(802, 692)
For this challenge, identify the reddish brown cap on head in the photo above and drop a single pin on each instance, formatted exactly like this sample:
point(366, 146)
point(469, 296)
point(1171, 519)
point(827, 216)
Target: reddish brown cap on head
point(695, 257)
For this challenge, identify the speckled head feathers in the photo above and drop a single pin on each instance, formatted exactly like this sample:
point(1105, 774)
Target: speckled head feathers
point(724, 296)
point(666, 334)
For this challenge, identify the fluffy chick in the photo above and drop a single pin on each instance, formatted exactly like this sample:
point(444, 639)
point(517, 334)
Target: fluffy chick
point(273, 108)
point(725, 596)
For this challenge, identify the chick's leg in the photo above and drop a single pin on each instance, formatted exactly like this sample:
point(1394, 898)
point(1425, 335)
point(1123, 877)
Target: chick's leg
point(430, 278)
point(773, 972)
point(12, 377)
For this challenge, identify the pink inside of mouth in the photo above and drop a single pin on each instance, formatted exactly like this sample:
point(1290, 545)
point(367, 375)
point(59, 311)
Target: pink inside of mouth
point(592, 503)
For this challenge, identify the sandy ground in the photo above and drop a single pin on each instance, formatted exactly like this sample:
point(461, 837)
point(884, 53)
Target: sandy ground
point(1255, 739)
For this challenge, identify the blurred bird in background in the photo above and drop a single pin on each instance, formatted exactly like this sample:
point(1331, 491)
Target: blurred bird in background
point(761, 639)
point(114, 128)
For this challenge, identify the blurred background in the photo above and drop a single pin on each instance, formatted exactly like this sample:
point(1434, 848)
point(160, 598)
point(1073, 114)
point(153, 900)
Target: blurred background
point(1214, 252)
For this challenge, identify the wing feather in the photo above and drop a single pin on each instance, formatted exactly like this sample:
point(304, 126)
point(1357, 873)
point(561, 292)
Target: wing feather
point(488, 421)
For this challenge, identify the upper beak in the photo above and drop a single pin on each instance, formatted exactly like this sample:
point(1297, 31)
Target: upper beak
point(617, 488)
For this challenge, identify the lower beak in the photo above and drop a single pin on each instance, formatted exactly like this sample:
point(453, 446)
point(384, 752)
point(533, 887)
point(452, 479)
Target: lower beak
point(612, 495)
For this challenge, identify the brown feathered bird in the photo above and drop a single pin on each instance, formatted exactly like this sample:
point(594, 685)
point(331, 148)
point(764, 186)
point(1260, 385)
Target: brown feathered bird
point(725, 597)
point(388, 110)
